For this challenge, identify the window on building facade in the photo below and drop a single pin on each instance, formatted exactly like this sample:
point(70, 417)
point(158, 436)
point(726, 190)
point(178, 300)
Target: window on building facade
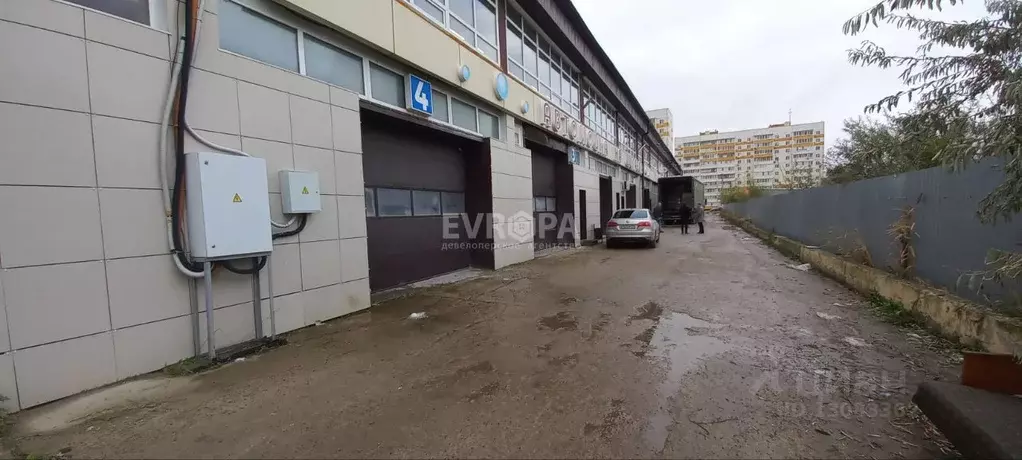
point(599, 115)
point(474, 20)
point(463, 115)
point(251, 34)
point(440, 111)
point(333, 65)
point(532, 59)
point(148, 12)
point(626, 138)
point(387, 86)
point(274, 40)
point(489, 126)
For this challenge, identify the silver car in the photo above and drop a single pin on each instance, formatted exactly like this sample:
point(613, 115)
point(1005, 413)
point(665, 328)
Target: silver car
point(635, 224)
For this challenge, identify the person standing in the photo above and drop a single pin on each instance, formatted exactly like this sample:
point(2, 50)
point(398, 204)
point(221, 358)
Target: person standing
point(658, 213)
point(698, 214)
point(686, 218)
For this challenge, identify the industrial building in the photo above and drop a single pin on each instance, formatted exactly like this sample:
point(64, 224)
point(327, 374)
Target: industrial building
point(141, 162)
point(664, 123)
point(781, 156)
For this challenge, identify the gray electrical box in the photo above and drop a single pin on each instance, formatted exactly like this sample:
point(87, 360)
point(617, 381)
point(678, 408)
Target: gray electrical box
point(228, 206)
point(300, 192)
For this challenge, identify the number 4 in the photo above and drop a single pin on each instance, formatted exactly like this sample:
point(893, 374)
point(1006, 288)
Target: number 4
point(420, 97)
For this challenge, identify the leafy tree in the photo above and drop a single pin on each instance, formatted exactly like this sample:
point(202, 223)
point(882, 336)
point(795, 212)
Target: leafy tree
point(740, 193)
point(895, 145)
point(976, 90)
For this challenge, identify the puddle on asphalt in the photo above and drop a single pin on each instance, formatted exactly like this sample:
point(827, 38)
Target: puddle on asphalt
point(680, 342)
point(561, 321)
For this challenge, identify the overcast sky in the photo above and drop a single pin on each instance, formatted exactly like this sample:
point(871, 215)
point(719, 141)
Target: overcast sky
point(740, 64)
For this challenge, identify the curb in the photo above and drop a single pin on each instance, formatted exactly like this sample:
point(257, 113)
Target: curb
point(953, 316)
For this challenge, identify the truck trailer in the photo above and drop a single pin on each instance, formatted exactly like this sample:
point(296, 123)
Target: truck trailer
point(675, 191)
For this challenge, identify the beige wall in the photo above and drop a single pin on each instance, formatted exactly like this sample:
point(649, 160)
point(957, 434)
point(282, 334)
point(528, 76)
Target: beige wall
point(87, 286)
point(394, 26)
point(511, 169)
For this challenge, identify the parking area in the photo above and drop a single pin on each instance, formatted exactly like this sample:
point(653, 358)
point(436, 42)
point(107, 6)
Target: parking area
point(706, 346)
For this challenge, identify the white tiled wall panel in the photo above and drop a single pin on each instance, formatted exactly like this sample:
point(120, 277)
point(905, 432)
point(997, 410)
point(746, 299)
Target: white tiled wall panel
point(323, 303)
point(133, 223)
point(289, 313)
point(287, 272)
point(52, 75)
point(265, 113)
point(311, 125)
point(5, 339)
point(140, 349)
point(354, 259)
point(55, 16)
point(347, 130)
point(52, 371)
point(322, 162)
point(321, 264)
point(126, 152)
point(145, 289)
point(351, 215)
point(34, 155)
point(322, 225)
point(55, 302)
point(91, 293)
point(8, 383)
point(349, 174)
point(231, 325)
point(138, 94)
point(126, 34)
point(47, 225)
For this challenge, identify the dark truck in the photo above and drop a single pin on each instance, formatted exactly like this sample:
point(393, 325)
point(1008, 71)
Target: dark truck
point(676, 190)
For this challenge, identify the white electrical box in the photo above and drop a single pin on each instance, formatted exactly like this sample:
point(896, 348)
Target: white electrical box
point(228, 206)
point(300, 192)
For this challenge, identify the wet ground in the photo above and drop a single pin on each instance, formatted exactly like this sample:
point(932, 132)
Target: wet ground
point(707, 346)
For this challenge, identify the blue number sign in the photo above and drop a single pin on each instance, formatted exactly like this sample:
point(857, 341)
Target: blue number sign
point(422, 94)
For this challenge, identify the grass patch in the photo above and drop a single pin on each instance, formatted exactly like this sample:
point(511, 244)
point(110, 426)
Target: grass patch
point(188, 366)
point(5, 419)
point(893, 311)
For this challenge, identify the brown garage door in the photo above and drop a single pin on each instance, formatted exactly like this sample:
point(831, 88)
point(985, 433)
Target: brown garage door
point(413, 174)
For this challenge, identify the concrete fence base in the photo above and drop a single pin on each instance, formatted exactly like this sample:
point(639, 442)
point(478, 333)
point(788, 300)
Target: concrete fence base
point(952, 316)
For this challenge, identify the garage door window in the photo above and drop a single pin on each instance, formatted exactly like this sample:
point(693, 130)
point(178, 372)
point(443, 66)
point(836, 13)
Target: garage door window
point(393, 202)
point(545, 203)
point(440, 107)
point(426, 203)
point(453, 203)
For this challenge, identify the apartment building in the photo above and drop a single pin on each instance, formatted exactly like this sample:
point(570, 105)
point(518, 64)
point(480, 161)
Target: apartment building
point(396, 114)
point(664, 123)
point(780, 156)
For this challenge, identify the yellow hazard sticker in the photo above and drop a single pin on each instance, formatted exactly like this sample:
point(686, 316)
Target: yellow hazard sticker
point(237, 198)
point(305, 190)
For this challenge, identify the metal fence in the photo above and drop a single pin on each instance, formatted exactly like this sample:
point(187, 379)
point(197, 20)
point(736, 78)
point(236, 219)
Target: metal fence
point(855, 220)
